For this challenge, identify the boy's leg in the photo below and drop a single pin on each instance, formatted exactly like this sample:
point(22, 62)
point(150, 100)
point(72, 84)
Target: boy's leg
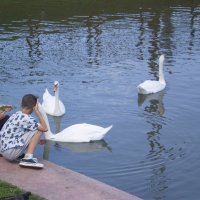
point(28, 160)
point(33, 142)
point(14, 153)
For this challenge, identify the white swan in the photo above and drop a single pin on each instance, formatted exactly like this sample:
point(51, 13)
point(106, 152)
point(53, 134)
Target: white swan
point(150, 86)
point(75, 133)
point(51, 104)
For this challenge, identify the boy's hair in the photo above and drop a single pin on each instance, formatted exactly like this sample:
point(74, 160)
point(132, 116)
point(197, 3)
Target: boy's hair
point(29, 101)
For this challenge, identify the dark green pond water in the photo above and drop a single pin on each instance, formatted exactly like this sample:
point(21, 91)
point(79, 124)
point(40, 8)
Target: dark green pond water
point(100, 51)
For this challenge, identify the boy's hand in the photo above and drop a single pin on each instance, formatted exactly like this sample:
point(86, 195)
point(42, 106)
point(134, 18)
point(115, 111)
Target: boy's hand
point(2, 115)
point(36, 109)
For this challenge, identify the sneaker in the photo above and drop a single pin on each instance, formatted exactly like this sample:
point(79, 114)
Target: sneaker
point(33, 162)
point(20, 157)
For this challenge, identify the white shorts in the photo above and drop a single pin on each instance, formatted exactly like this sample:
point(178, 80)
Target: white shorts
point(14, 153)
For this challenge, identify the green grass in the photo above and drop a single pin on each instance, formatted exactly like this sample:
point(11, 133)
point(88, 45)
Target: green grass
point(7, 189)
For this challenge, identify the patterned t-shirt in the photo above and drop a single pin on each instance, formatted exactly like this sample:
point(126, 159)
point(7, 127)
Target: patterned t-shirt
point(13, 130)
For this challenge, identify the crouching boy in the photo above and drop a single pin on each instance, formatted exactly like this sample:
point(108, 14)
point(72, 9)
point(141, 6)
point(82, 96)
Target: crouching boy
point(21, 133)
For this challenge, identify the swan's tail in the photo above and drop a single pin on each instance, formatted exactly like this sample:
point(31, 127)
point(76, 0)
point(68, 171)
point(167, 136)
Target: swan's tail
point(141, 90)
point(107, 129)
point(101, 134)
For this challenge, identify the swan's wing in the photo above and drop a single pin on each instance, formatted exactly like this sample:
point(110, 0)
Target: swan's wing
point(82, 133)
point(149, 86)
point(46, 95)
point(62, 106)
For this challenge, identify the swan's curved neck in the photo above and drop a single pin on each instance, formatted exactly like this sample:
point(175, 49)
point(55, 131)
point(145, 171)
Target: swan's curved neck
point(57, 107)
point(48, 134)
point(161, 72)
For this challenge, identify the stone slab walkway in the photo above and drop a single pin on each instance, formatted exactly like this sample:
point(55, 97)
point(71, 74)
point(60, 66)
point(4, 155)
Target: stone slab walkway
point(58, 183)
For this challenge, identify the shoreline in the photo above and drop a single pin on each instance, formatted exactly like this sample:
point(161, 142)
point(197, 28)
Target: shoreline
point(56, 182)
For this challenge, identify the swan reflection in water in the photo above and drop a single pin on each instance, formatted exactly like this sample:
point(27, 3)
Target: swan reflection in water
point(156, 102)
point(76, 147)
point(154, 115)
point(57, 122)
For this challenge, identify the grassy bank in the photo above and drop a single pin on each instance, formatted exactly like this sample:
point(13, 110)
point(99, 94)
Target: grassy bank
point(7, 189)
